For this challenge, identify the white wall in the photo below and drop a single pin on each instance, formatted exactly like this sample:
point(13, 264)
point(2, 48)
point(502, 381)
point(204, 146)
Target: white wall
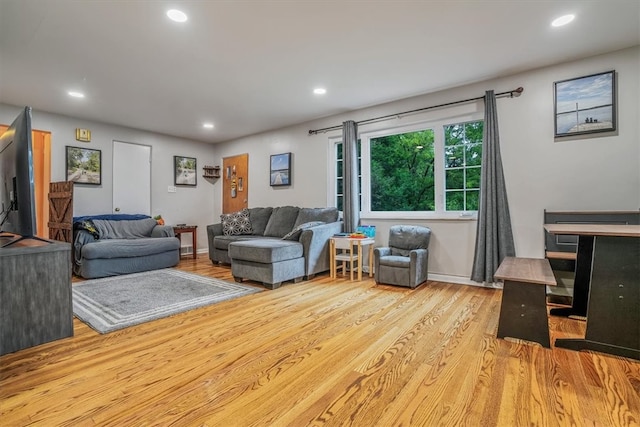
point(192, 205)
point(587, 173)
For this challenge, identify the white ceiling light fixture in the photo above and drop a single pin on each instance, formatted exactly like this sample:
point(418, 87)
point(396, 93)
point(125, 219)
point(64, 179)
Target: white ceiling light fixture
point(563, 20)
point(208, 125)
point(319, 91)
point(75, 94)
point(177, 15)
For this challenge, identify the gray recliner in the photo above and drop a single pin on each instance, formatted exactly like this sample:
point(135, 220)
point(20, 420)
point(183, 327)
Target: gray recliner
point(405, 261)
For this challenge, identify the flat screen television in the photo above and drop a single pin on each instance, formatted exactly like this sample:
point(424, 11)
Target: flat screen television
point(17, 200)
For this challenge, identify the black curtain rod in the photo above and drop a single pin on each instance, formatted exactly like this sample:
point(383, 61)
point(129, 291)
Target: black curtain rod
point(510, 93)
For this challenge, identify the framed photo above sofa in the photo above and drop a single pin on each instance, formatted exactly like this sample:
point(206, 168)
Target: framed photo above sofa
point(585, 105)
point(84, 165)
point(184, 170)
point(280, 171)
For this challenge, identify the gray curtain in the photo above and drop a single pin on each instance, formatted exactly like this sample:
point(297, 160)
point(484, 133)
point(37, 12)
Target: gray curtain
point(351, 201)
point(494, 237)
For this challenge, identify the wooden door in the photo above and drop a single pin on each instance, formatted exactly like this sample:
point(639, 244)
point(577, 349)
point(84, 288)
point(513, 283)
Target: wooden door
point(235, 183)
point(41, 145)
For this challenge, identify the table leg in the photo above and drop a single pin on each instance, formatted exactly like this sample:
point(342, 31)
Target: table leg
point(581, 282)
point(359, 262)
point(371, 260)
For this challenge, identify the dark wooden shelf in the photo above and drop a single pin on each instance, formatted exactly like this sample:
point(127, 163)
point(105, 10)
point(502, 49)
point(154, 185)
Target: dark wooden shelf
point(211, 171)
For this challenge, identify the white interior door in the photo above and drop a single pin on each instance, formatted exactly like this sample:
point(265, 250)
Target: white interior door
point(131, 178)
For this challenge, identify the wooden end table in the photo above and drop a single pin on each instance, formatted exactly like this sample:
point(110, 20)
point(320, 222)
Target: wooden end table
point(180, 229)
point(351, 252)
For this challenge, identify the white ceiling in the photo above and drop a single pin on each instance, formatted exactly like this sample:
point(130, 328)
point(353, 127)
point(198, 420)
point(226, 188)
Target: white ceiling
point(250, 66)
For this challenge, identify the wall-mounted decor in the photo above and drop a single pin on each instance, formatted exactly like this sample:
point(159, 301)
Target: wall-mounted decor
point(280, 169)
point(184, 170)
point(83, 135)
point(84, 165)
point(585, 104)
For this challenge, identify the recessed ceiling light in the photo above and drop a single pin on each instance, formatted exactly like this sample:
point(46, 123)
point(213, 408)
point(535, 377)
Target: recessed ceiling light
point(563, 20)
point(75, 94)
point(319, 91)
point(207, 125)
point(177, 15)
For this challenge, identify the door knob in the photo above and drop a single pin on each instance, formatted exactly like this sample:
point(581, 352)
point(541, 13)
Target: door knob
point(117, 209)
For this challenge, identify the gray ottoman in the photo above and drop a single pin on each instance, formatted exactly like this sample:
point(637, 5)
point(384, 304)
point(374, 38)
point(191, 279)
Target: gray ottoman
point(269, 261)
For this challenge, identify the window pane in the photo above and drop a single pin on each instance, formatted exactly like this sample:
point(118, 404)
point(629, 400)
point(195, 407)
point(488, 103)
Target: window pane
point(339, 202)
point(473, 178)
point(455, 179)
point(339, 166)
point(339, 186)
point(472, 200)
point(473, 132)
point(453, 135)
point(454, 157)
point(455, 200)
point(474, 154)
point(402, 172)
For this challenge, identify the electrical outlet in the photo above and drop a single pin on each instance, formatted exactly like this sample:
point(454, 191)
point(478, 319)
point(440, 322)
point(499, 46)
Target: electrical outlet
point(172, 189)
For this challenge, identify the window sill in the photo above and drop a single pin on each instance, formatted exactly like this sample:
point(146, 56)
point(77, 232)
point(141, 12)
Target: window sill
point(432, 216)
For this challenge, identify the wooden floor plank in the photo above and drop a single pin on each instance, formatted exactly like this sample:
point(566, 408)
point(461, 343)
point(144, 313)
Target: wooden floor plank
point(322, 352)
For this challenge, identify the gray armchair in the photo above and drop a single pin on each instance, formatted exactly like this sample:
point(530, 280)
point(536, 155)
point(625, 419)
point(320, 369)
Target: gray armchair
point(405, 261)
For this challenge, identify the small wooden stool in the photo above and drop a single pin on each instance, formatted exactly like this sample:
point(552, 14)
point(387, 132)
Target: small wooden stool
point(523, 312)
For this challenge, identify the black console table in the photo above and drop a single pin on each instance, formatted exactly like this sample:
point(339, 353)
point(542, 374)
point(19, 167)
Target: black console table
point(35, 294)
point(612, 293)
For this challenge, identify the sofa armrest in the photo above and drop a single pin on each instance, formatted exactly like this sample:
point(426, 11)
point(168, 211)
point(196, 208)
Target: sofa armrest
point(315, 244)
point(162, 231)
point(213, 230)
point(80, 238)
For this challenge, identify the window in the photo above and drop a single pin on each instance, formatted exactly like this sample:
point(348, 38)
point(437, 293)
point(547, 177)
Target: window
point(339, 190)
point(462, 165)
point(424, 169)
point(402, 175)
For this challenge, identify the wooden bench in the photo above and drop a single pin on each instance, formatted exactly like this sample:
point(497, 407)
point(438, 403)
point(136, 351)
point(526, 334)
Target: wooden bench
point(523, 311)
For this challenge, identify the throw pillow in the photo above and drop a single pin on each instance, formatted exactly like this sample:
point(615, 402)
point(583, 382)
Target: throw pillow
point(296, 232)
point(236, 223)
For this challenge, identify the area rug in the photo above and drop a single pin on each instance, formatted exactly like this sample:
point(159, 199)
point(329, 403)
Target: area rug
point(118, 302)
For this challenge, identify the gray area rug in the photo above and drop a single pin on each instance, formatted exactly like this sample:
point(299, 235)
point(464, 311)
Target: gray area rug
point(113, 303)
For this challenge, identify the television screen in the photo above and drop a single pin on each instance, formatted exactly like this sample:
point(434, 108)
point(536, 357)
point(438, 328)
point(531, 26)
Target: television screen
point(17, 201)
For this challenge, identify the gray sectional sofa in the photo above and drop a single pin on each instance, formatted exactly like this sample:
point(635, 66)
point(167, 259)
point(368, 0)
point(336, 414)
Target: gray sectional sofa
point(274, 244)
point(122, 244)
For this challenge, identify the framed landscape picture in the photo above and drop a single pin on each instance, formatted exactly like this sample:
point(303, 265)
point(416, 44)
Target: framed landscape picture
point(585, 104)
point(280, 171)
point(184, 170)
point(84, 165)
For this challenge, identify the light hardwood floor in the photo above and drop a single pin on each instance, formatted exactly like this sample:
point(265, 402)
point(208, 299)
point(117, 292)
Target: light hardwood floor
point(320, 352)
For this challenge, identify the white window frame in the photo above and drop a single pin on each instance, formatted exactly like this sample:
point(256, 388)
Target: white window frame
point(437, 124)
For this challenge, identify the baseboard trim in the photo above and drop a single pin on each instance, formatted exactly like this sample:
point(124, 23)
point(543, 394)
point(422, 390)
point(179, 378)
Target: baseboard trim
point(460, 280)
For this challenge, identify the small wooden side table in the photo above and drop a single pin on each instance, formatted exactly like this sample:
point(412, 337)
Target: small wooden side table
point(180, 229)
point(351, 252)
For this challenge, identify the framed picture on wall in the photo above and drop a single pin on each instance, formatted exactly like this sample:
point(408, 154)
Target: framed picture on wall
point(280, 171)
point(585, 105)
point(184, 170)
point(84, 165)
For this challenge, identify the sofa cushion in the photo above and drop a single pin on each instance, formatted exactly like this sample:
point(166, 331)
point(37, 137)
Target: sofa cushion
point(296, 232)
point(222, 242)
point(236, 223)
point(125, 229)
point(316, 214)
point(259, 218)
point(127, 248)
point(282, 221)
point(265, 251)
